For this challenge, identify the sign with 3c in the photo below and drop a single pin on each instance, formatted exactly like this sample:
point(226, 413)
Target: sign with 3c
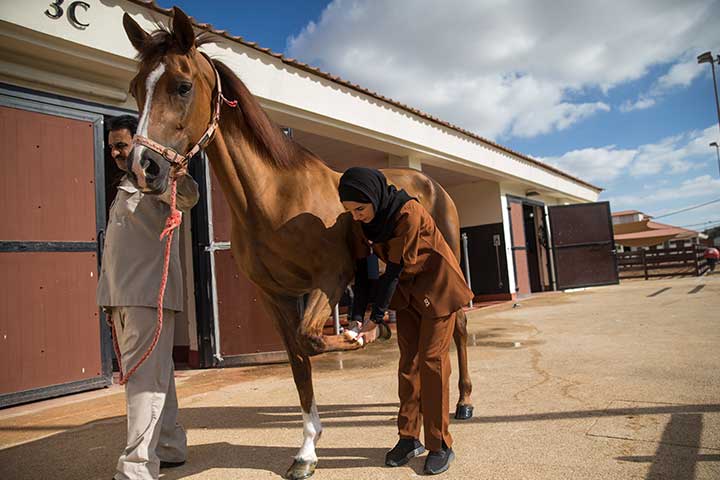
point(57, 10)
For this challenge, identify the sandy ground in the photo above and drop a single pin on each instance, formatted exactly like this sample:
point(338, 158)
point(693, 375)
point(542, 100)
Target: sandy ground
point(615, 382)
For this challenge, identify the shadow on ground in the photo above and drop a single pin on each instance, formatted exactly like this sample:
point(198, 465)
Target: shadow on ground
point(91, 451)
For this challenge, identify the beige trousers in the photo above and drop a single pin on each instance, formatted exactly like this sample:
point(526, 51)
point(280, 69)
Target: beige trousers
point(153, 433)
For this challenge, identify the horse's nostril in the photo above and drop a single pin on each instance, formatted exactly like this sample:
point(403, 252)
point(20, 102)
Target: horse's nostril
point(152, 169)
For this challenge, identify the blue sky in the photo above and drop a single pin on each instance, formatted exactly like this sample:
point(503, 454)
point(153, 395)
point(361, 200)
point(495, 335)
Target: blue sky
point(611, 93)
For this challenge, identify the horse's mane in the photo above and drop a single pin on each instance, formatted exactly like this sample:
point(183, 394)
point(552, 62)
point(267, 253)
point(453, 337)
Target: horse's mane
point(162, 40)
point(280, 150)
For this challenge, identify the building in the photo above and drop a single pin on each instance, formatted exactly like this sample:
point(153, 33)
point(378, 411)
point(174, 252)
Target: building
point(713, 237)
point(66, 69)
point(634, 230)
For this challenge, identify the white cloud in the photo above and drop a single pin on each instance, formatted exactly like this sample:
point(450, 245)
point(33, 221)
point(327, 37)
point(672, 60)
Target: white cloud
point(698, 187)
point(692, 192)
point(671, 155)
point(680, 75)
point(641, 104)
point(594, 164)
point(506, 68)
point(669, 185)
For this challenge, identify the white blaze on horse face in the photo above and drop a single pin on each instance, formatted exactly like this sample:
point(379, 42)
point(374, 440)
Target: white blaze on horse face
point(312, 428)
point(142, 129)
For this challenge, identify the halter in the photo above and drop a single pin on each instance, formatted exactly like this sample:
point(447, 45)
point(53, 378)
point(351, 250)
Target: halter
point(176, 160)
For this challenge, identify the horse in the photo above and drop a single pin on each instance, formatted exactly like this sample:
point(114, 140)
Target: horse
point(290, 234)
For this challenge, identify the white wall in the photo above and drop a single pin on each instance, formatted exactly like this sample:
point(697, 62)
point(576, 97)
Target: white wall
point(543, 197)
point(620, 219)
point(478, 203)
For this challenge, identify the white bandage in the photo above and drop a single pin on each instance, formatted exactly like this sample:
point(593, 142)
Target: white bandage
point(355, 336)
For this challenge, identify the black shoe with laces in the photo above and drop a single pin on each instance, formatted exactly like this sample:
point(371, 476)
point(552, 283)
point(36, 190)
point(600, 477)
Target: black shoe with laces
point(401, 453)
point(439, 462)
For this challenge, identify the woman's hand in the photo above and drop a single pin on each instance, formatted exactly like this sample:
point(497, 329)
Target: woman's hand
point(368, 332)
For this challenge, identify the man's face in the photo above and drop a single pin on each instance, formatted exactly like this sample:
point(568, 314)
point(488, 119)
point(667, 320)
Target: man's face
point(120, 143)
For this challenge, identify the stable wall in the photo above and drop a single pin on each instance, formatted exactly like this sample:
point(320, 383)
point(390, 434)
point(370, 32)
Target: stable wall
point(478, 203)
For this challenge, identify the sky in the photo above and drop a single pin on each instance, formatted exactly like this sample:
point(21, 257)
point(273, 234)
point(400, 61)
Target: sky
point(608, 91)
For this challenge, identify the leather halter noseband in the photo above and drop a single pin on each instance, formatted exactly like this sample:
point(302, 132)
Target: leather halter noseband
point(177, 161)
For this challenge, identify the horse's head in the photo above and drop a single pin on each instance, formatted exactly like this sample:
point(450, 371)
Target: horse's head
point(174, 94)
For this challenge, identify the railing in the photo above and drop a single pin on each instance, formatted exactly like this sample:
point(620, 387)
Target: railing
point(662, 262)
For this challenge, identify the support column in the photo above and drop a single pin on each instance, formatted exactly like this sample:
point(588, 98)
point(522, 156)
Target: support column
point(508, 244)
point(395, 161)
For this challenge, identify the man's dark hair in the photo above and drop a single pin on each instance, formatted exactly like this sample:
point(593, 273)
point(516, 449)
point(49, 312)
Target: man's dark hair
point(123, 122)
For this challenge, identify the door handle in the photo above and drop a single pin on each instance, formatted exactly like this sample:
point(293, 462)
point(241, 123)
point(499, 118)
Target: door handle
point(100, 246)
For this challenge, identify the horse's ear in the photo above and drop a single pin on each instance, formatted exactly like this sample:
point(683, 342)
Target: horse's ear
point(138, 37)
point(183, 30)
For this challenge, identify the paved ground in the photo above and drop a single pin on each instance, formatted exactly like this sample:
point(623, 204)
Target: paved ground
point(609, 383)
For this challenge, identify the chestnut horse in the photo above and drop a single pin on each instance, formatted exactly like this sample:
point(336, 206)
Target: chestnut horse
point(290, 233)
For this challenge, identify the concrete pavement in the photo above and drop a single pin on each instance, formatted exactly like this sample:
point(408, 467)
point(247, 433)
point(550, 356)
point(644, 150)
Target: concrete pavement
point(615, 382)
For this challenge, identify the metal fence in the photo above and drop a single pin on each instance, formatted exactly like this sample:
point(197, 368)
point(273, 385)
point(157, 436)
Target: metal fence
point(662, 262)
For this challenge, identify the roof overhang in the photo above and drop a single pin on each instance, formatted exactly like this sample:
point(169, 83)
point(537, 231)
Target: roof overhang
point(293, 93)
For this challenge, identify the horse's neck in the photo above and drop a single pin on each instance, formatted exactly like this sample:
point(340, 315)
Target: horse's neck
point(241, 174)
point(254, 189)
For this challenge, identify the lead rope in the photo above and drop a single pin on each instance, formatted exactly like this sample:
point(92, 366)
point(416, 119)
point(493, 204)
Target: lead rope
point(172, 222)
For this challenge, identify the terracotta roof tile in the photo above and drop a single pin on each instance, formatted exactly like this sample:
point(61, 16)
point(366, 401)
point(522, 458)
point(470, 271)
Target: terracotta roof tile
point(626, 212)
point(661, 226)
point(664, 232)
point(206, 26)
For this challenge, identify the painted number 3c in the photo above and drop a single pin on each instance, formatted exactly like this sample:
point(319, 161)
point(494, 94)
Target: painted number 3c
point(56, 11)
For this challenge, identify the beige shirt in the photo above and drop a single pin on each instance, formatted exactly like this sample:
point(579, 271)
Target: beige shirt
point(132, 261)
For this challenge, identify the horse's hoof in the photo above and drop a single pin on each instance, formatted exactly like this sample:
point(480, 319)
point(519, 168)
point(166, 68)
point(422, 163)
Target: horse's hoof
point(300, 469)
point(463, 412)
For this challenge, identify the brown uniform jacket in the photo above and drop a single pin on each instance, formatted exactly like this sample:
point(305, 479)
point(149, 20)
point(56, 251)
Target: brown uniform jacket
point(133, 256)
point(431, 279)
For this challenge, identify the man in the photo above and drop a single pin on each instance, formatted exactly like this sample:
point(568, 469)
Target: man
point(129, 281)
point(712, 255)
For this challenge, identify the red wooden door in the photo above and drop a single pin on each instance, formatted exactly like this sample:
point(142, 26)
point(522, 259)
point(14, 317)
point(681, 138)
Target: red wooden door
point(49, 325)
point(246, 331)
point(520, 258)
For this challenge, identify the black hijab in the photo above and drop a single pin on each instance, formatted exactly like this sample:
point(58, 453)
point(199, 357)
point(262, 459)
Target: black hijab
point(367, 185)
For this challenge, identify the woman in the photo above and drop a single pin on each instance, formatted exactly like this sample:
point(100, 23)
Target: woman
point(424, 282)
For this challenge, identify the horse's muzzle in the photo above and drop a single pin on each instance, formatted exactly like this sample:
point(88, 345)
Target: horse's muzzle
point(149, 173)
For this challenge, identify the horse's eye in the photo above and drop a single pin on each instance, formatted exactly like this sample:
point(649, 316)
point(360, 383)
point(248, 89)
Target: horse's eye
point(184, 89)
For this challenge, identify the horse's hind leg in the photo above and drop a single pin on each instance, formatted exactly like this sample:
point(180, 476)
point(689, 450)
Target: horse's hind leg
point(464, 409)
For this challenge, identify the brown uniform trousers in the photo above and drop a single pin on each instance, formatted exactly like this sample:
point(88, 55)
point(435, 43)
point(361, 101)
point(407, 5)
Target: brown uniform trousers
point(431, 289)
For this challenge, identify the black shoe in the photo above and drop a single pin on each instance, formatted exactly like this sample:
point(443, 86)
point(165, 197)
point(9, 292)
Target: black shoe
point(401, 453)
point(438, 462)
point(171, 464)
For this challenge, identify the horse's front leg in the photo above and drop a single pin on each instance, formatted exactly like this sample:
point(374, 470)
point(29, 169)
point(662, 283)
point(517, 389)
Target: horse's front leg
point(306, 459)
point(287, 318)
